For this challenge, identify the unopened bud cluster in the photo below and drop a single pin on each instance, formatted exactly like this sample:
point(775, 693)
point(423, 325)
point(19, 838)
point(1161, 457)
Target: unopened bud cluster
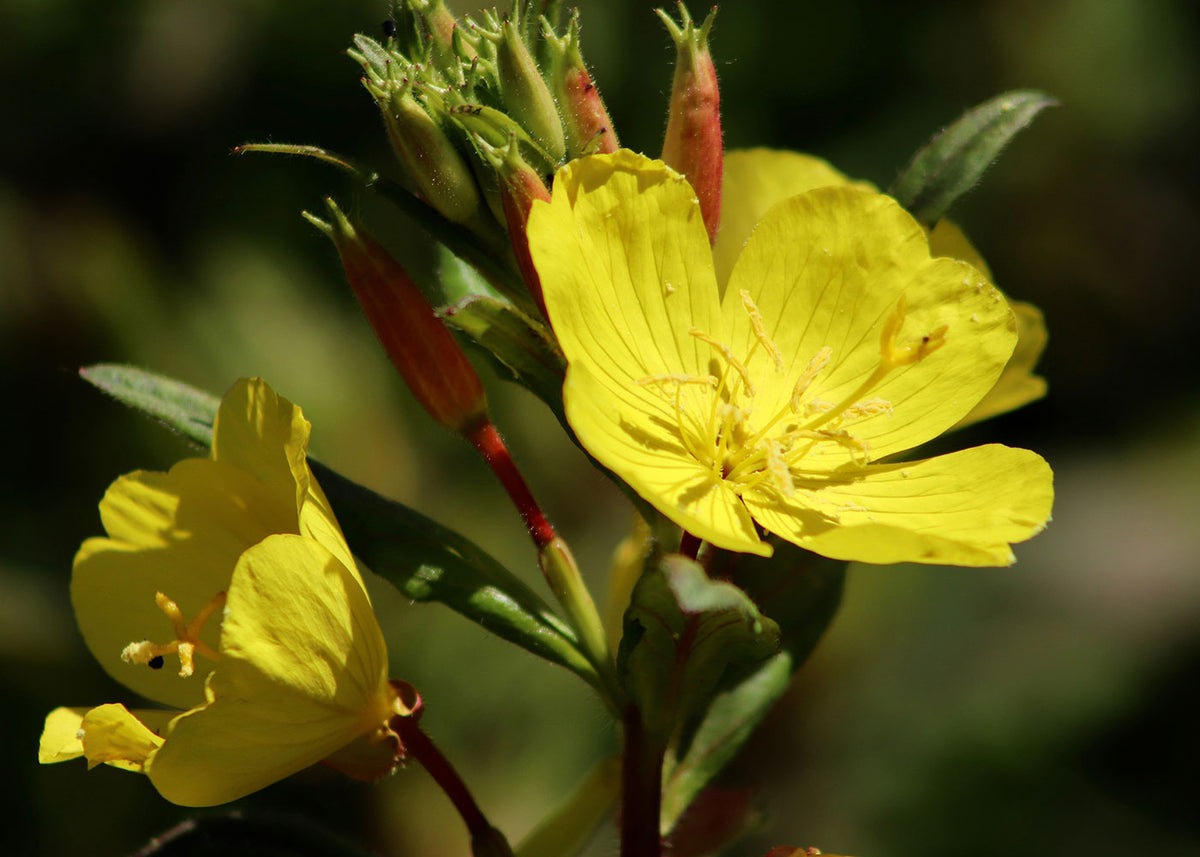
point(451, 92)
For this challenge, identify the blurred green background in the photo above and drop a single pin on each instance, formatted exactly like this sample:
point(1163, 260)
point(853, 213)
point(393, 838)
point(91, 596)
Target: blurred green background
point(1047, 709)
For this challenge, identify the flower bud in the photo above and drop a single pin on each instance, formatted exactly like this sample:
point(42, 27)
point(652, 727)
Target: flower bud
point(427, 355)
point(589, 130)
point(438, 170)
point(519, 185)
point(526, 96)
point(693, 141)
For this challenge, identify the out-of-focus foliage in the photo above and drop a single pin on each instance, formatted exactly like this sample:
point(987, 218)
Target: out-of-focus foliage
point(1046, 709)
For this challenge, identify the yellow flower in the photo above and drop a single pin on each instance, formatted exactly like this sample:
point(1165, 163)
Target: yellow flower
point(839, 341)
point(757, 179)
point(225, 588)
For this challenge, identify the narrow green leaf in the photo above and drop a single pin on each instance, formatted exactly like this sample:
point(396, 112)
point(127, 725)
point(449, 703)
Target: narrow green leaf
point(178, 406)
point(682, 631)
point(524, 347)
point(955, 159)
point(428, 562)
point(425, 560)
point(801, 592)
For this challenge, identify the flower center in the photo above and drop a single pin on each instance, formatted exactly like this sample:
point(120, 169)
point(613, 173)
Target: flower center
point(715, 414)
point(187, 643)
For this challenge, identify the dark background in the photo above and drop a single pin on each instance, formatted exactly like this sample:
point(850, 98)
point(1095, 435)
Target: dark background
point(1047, 709)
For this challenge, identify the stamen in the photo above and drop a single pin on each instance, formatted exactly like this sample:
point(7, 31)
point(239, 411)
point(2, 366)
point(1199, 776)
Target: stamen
point(708, 380)
point(819, 362)
point(817, 406)
point(187, 643)
point(777, 464)
point(869, 408)
point(725, 352)
point(893, 355)
point(760, 329)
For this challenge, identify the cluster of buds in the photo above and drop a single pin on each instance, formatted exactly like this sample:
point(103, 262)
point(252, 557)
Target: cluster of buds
point(481, 112)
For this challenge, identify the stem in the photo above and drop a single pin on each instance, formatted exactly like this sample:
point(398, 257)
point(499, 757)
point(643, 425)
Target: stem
point(488, 442)
point(557, 564)
point(641, 789)
point(418, 745)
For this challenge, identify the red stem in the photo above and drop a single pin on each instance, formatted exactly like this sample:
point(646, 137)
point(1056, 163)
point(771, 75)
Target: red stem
point(487, 440)
point(641, 789)
point(689, 545)
point(418, 745)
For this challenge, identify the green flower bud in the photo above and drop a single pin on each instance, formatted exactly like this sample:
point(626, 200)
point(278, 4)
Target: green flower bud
point(525, 94)
point(432, 162)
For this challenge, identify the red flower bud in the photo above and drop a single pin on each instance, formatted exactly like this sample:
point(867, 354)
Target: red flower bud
point(588, 127)
point(428, 356)
point(693, 141)
point(519, 185)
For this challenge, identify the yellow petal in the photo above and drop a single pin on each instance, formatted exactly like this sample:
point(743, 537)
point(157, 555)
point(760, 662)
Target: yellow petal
point(1017, 386)
point(265, 435)
point(179, 533)
point(827, 269)
point(964, 508)
point(60, 739)
point(757, 179)
point(303, 672)
point(626, 269)
point(110, 734)
point(947, 239)
point(641, 446)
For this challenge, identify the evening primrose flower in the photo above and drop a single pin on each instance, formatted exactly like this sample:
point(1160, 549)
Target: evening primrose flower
point(225, 590)
point(757, 179)
point(839, 342)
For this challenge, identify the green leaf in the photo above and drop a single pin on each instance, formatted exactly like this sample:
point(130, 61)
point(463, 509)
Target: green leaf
point(801, 592)
point(952, 162)
point(682, 631)
point(523, 347)
point(428, 562)
point(425, 560)
point(180, 407)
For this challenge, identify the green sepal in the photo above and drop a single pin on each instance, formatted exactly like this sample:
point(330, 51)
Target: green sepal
point(424, 560)
point(955, 159)
point(682, 632)
point(523, 347)
point(801, 592)
point(457, 280)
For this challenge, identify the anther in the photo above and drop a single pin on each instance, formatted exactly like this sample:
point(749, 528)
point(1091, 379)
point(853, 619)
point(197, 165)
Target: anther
point(187, 643)
point(893, 355)
point(819, 362)
point(725, 352)
point(760, 329)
